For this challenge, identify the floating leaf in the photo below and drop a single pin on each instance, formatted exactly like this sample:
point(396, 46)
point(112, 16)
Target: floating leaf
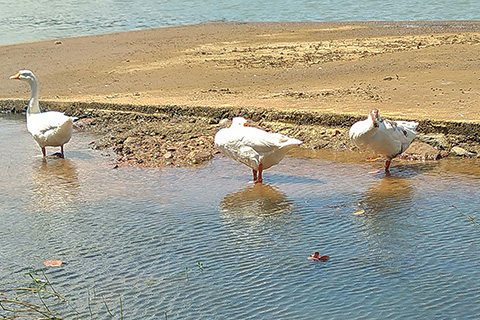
point(359, 212)
point(53, 263)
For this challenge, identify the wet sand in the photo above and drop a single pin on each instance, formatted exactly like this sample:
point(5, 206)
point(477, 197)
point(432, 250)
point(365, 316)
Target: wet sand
point(159, 94)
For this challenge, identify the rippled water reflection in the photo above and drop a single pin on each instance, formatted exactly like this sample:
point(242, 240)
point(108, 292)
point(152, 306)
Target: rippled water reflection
point(132, 233)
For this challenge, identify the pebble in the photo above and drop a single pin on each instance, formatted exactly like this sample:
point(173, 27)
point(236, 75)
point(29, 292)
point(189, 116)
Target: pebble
point(458, 151)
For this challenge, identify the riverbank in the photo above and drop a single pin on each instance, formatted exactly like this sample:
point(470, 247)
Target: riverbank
point(158, 95)
point(156, 136)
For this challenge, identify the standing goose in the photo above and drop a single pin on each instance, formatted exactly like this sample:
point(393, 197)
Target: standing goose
point(49, 129)
point(386, 137)
point(253, 147)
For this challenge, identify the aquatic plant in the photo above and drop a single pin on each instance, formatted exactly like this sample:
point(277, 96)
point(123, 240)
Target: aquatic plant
point(38, 299)
point(32, 300)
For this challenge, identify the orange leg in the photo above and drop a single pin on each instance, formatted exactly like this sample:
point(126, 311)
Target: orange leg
point(260, 171)
point(254, 175)
point(387, 165)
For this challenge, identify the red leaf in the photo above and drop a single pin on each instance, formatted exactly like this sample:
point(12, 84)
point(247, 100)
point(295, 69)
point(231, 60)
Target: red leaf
point(316, 256)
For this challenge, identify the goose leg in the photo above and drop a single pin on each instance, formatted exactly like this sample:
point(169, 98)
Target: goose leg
point(260, 170)
point(387, 165)
point(44, 152)
point(61, 151)
point(254, 175)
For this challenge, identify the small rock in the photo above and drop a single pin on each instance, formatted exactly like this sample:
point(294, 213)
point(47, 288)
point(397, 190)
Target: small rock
point(332, 132)
point(168, 155)
point(224, 122)
point(421, 151)
point(458, 151)
point(202, 156)
point(437, 140)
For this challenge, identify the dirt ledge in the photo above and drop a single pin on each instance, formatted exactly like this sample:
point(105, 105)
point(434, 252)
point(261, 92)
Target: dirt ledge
point(170, 135)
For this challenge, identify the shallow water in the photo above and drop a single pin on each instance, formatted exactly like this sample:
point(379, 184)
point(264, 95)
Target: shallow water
point(130, 233)
point(22, 21)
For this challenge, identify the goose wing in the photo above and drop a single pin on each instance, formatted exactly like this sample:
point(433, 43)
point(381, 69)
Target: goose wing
point(402, 132)
point(265, 142)
point(46, 121)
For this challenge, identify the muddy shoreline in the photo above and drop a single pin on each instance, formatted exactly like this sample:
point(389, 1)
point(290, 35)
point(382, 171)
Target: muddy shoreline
point(160, 136)
point(158, 95)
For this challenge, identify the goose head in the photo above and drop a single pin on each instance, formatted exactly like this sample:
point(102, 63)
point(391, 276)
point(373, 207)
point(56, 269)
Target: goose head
point(239, 122)
point(26, 75)
point(375, 117)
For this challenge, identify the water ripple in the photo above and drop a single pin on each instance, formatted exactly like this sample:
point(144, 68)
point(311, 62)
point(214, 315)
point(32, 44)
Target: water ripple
point(209, 245)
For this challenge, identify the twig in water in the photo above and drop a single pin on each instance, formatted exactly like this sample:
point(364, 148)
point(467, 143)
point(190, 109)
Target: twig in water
point(467, 216)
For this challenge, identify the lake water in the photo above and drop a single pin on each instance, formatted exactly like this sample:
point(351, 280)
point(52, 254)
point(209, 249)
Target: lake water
point(203, 243)
point(22, 21)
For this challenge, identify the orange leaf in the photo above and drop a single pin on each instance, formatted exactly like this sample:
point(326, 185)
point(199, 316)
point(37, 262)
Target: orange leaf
point(53, 263)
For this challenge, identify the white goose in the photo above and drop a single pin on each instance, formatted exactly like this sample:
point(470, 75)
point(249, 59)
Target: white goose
point(253, 147)
point(386, 137)
point(49, 129)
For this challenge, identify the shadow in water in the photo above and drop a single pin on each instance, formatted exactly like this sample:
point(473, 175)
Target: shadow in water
point(255, 200)
point(56, 184)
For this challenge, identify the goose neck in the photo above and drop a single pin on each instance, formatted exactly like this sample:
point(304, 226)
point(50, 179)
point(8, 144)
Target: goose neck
point(33, 104)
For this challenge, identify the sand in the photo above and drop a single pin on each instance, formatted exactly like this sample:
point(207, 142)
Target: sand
point(408, 70)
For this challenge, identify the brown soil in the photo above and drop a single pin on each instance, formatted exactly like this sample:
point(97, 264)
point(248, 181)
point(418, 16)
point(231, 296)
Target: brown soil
point(158, 95)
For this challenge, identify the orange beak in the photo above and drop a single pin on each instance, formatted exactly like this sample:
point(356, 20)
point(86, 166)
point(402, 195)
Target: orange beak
point(245, 124)
point(15, 77)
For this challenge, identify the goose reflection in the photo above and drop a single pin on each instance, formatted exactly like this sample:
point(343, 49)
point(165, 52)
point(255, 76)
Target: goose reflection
point(258, 199)
point(391, 194)
point(56, 184)
point(386, 223)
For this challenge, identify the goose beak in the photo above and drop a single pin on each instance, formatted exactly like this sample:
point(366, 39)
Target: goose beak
point(15, 77)
point(245, 124)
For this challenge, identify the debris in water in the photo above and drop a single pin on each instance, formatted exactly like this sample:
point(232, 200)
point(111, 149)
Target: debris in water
point(53, 263)
point(316, 256)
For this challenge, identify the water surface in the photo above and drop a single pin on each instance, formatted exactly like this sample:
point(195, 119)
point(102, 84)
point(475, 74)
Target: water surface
point(22, 21)
point(130, 233)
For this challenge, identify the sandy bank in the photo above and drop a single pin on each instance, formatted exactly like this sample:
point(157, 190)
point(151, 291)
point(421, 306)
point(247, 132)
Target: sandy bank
point(290, 77)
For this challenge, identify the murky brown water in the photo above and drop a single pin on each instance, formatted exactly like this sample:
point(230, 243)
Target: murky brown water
point(129, 233)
